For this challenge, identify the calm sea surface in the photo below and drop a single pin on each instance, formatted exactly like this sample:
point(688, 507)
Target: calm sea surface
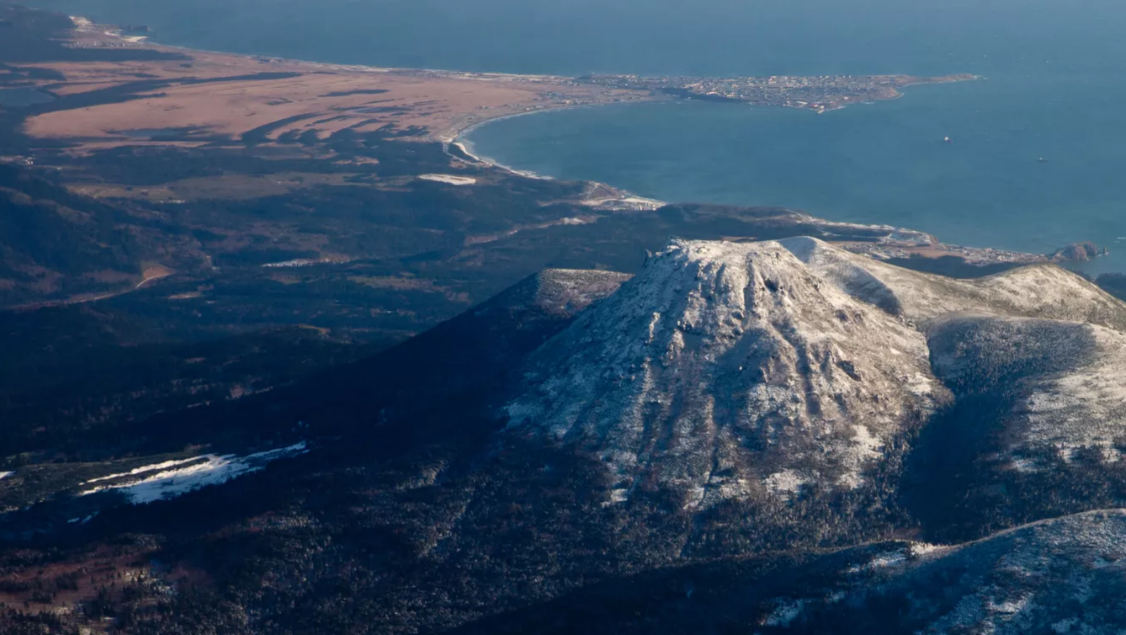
point(1056, 88)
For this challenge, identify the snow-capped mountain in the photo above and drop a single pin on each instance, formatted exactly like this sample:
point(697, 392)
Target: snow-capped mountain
point(730, 370)
point(736, 370)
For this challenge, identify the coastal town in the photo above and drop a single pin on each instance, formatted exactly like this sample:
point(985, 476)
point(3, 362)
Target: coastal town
point(821, 94)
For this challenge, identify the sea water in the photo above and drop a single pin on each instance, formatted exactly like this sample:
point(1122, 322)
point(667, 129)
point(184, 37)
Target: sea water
point(1055, 84)
point(23, 97)
point(1030, 179)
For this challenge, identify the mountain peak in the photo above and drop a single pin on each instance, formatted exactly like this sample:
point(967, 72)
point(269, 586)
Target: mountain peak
point(729, 370)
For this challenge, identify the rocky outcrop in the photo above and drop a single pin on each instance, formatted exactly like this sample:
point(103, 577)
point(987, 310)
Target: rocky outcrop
point(561, 292)
point(1078, 252)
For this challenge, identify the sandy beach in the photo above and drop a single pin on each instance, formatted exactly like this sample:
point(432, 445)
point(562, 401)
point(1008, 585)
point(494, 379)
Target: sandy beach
point(212, 96)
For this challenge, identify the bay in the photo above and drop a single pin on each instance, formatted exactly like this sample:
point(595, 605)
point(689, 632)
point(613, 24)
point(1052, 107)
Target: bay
point(1056, 79)
point(884, 163)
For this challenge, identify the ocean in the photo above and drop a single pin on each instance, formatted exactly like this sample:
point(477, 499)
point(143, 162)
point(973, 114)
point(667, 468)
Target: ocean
point(1055, 82)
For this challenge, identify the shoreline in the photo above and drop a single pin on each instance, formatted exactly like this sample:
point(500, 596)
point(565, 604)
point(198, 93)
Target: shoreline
point(84, 25)
point(625, 198)
point(462, 142)
point(456, 130)
point(91, 35)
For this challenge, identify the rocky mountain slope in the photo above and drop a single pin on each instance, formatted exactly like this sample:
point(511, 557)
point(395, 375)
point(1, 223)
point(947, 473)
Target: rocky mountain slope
point(1057, 576)
point(727, 370)
point(1006, 392)
point(739, 438)
point(52, 241)
point(730, 371)
point(1040, 290)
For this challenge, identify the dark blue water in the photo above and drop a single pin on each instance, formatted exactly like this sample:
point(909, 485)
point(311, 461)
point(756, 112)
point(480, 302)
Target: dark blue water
point(1056, 69)
point(23, 97)
point(884, 163)
point(709, 37)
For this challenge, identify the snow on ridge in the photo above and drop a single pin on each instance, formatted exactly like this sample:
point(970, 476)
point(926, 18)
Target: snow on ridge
point(1068, 381)
point(1038, 290)
point(1048, 566)
point(570, 291)
point(171, 479)
point(1083, 408)
point(882, 561)
point(1026, 579)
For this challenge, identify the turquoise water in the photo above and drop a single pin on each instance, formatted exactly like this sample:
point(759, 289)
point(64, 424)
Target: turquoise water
point(1056, 69)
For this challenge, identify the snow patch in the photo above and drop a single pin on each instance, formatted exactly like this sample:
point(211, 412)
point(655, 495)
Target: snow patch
point(171, 479)
point(920, 549)
point(886, 560)
point(304, 262)
point(81, 23)
point(882, 561)
point(786, 483)
point(784, 613)
point(1083, 408)
point(1065, 626)
point(448, 179)
point(632, 203)
point(867, 445)
point(1009, 606)
point(156, 467)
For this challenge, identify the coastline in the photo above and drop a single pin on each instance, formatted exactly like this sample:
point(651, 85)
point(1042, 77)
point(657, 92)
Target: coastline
point(621, 200)
point(461, 141)
point(470, 99)
point(466, 147)
point(457, 128)
point(899, 243)
point(84, 25)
